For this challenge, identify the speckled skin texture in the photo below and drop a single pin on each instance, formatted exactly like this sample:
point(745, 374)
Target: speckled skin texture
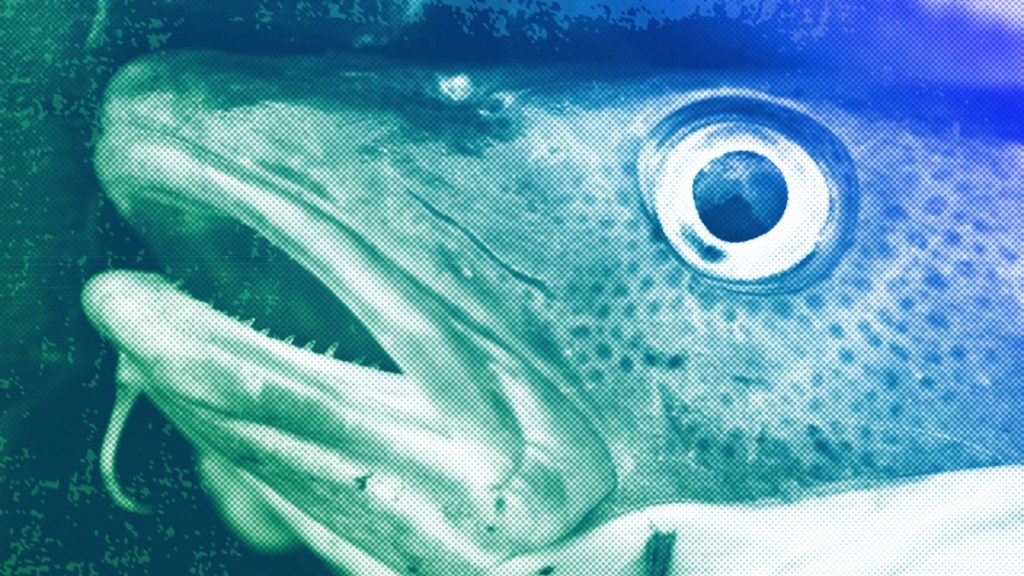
point(901, 362)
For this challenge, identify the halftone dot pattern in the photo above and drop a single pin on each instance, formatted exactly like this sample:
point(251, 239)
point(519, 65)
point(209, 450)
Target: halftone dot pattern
point(522, 377)
point(414, 317)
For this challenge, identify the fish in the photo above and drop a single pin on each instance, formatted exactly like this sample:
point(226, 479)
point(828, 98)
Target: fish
point(641, 321)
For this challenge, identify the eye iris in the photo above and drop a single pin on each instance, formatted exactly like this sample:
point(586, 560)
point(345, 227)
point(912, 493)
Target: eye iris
point(740, 196)
point(752, 193)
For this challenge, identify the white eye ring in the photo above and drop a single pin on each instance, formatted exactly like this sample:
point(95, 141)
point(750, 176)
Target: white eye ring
point(816, 224)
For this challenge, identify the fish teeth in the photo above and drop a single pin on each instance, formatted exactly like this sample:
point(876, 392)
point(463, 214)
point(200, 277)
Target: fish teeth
point(290, 339)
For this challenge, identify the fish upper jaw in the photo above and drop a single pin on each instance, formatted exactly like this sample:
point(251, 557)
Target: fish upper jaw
point(472, 454)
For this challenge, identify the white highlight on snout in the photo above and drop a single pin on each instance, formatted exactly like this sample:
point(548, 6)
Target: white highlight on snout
point(457, 87)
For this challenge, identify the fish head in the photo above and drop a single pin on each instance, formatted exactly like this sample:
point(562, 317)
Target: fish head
point(629, 286)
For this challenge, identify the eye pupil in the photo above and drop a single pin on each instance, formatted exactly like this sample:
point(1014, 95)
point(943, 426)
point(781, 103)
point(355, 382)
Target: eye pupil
point(740, 195)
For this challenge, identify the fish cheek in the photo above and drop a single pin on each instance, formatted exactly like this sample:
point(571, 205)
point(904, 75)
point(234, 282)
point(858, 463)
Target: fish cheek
point(919, 329)
point(894, 366)
point(904, 360)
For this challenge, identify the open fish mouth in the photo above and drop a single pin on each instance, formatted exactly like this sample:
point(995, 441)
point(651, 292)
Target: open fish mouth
point(471, 453)
point(564, 324)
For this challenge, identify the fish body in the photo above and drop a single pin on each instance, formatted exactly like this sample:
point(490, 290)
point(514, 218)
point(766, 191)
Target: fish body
point(494, 229)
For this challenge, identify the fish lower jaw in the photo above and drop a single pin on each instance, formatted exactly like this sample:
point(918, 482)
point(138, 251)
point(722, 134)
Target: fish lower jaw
point(471, 454)
point(306, 430)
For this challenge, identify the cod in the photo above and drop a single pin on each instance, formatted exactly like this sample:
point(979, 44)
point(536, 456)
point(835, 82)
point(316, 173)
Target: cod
point(639, 322)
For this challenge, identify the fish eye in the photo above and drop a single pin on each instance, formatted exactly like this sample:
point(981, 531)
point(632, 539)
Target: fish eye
point(751, 193)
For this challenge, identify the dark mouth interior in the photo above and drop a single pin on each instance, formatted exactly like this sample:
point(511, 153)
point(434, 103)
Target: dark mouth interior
point(237, 271)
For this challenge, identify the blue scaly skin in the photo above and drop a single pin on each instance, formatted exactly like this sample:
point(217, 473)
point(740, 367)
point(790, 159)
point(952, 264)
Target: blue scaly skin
point(562, 363)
